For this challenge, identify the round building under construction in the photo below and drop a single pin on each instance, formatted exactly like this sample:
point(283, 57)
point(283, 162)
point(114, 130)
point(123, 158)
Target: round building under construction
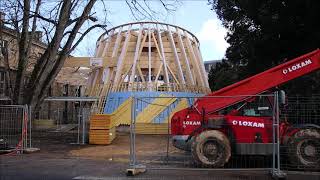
point(146, 59)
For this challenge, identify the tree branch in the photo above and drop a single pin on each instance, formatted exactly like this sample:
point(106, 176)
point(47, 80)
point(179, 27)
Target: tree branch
point(74, 5)
point(90, 17)
point(43, 18)
point(84, 34)
point(47, 34)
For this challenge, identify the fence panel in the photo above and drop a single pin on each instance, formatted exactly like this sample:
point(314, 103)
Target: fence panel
point(60, 125)
point(303, 147)
point(14, 128)
point(246, 136)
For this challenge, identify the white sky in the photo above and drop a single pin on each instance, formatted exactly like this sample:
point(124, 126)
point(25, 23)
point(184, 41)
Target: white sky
point(194, 16)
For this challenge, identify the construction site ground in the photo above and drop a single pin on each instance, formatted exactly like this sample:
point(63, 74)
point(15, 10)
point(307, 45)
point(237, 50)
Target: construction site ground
point(58, 158)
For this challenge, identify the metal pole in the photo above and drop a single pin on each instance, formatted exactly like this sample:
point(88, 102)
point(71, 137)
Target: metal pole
point(79, 124)
point(168, 132)
point(26, 127)
point(132, 161)
point(22, 127)
point(134, 132)
point(278, 130)
point(30, 127)
point(273, 134)
point(83, 123)
point(58, 119)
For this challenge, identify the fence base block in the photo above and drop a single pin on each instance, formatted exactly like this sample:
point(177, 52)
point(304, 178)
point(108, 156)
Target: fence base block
point(278, 175)
point(31, 150)
point(135, 170)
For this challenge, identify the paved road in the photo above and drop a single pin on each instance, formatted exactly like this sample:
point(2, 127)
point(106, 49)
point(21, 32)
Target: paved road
point(54, 161)
point(59, 166)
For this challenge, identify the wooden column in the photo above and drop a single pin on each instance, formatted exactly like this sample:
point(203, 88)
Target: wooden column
point(121, 59)
point(105, 49)
point(186, 59)
point(176, 57)
point(149, 60)
point(203, 71)
point(160, 56)
point(194, 61)
point(166, 76)
point(136, 55)
point(116, 45)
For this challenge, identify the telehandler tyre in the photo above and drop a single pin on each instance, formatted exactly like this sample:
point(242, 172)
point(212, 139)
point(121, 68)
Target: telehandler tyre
point(304, 149)
point(211, 149)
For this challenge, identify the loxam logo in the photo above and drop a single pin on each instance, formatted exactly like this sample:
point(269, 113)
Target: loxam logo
point(247, 123)
point(297, 66)
point(191, 123)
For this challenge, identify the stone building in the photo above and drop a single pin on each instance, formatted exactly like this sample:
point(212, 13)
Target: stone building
point(8, 40)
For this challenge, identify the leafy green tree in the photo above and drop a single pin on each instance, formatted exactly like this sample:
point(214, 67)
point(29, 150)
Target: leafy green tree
point(263, 34)
point(221, 75)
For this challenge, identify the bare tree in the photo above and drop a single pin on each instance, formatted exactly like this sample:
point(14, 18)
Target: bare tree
point(62, 22)
point(63, 25)
point(146, 9)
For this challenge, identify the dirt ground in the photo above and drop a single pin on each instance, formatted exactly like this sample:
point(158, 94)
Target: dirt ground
point(119, 150)
point(58, 159)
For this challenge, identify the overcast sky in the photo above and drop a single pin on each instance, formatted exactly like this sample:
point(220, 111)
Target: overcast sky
point(194, 16)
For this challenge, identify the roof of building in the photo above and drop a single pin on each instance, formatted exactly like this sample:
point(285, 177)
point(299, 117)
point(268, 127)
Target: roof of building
point(211, 61)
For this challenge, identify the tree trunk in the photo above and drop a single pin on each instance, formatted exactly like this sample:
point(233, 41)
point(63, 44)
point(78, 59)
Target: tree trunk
point(47, 61)
point(23, 54)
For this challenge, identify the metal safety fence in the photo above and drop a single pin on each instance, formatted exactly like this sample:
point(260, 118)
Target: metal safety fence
point(60, 125)
point(233, 132)
point(15, 128)
point(301, 148)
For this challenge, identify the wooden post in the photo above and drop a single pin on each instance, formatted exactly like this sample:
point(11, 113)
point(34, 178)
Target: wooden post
point(121, 58)
point(92, 82)
point(140, 73)
point(149, 59)
point(176, 57)
point(116, 45)
point(166, 76)
point(174, 76)
point(140, 51)
point(160, 68)
point(194, 61)
point(186, 59)
point(135, 58)
point(105, 49)
point(98, 48)
point(203, 71)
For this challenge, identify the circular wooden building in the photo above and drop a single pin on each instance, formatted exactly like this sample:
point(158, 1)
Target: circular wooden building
point(152, 57)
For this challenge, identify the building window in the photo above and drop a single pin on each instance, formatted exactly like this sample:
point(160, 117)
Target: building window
point(2, 83)
point(65, 91)
point(3, 43)
point(78, 91)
